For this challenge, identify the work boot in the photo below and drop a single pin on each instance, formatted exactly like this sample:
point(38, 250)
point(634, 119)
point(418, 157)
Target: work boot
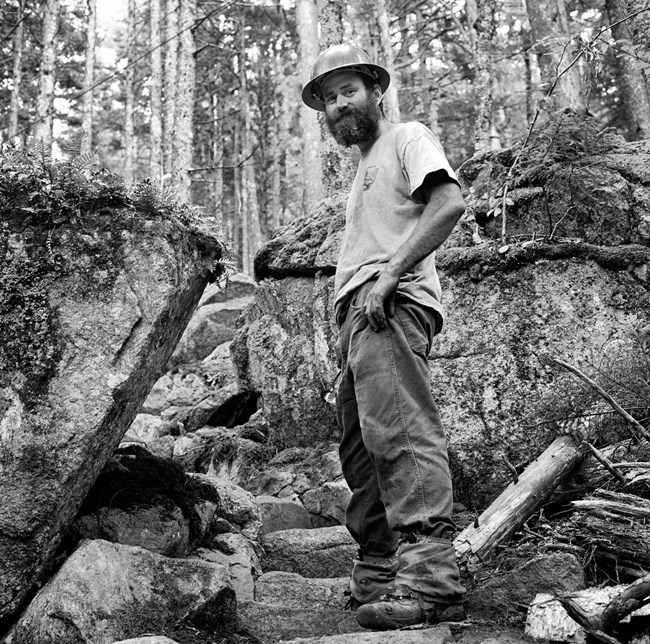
point(393, 611)
point(371, 578)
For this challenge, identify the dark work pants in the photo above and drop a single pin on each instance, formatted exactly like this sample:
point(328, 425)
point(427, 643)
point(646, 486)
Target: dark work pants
point(394, 452)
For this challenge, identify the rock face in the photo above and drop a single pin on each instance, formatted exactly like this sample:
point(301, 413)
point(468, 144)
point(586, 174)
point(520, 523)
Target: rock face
point(97, 315)
point(576, 297)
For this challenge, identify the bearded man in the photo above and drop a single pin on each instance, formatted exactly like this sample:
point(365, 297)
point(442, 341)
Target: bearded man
point(404, 203)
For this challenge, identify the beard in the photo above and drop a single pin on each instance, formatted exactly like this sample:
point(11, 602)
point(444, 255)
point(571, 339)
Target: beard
point(356, 124)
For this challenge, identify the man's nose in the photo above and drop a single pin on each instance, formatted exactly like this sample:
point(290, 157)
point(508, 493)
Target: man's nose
point(342, 101)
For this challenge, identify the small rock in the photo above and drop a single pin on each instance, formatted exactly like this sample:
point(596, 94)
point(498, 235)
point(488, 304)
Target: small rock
point(328, 502)
point(282, 514)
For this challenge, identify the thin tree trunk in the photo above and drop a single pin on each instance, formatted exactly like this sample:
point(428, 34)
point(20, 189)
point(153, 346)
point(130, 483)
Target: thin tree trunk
point(336, 161)
point(312, 172)
point(481, 19)
point(634, 88)
point(391, 99)
point(170, 71)
point(251, 233)
point(129, 98)
point(156, 161)
point(89, 79)
point(17, 72)
point(47, 74)
point(217, 154)
point(546, 19)
point(275, 191)
point(427, 86)
point(183, 130)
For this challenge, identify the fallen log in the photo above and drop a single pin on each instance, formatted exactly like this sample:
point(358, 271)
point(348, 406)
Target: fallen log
point(615, 528)
point(519, 500)
point(598, 612)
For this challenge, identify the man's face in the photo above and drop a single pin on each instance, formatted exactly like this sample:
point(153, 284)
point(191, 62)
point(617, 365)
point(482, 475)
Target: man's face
point(352, 112)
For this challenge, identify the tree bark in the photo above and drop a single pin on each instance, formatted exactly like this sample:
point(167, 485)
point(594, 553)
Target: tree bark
point(428, 89)
point(170, 71)
point(17, 71)
point(336, 161)
point(481, 19)
point(89, 79)
point(546, 19)
point(519, 500)
point(156, 161)
point(183, 128)
point(312, 171)
point(386, 58)
point(639, 24)
point(251, 233)
point(129, 96)
point(634, 88)
point(47, 74)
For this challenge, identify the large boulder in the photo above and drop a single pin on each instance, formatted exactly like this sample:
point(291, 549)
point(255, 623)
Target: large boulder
point(96, 303)
point(579, 297)
point(107, 592)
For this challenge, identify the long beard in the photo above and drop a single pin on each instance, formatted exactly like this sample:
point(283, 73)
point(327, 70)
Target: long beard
point(356, 125)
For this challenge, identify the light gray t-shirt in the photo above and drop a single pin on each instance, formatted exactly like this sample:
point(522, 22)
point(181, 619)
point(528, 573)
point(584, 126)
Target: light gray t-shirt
point(382, 212)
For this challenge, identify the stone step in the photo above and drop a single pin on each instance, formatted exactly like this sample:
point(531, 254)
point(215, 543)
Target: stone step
point(424, 635)
point(294, 591)
point(314, 553)
point(274, 623)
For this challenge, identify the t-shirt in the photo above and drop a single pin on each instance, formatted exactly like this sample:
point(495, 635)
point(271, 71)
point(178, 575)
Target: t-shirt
point(382, 212)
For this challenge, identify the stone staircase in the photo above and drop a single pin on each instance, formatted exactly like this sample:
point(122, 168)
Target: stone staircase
point(300, 597)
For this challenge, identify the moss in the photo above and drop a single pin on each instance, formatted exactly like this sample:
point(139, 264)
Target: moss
point(60, 219)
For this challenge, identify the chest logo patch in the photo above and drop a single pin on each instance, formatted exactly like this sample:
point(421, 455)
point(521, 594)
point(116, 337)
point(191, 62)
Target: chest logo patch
point(370, 176)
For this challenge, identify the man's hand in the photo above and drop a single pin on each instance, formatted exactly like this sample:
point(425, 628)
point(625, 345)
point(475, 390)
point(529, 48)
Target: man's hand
point(380, 301)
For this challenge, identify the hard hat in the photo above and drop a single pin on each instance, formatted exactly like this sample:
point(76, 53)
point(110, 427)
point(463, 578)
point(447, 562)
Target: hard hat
point(339, 58)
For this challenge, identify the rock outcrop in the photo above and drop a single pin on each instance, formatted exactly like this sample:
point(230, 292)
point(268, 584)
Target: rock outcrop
point(573, 282)
point(95, 315)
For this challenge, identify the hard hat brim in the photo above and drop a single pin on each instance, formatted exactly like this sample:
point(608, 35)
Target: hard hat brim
point(311, 94)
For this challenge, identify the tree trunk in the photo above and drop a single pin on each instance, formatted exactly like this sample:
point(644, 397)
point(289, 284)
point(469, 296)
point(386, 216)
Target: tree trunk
point(183, 129)
point(170, 71)
point(639, 24)
point(428, 89)
point(129, 96)
point(47, 74)
point(217, 154)
point(312, 172)
point(336, 161)
point(251, 233)
point(519, 500)
point(17, 72)
point(391, 99)
point(634, 88)
point(89, 79)
point(155, 162)
point(546, 19)
point(481, 19)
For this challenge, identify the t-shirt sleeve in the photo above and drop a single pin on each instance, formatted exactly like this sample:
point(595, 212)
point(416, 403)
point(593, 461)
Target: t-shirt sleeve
point(422, 154)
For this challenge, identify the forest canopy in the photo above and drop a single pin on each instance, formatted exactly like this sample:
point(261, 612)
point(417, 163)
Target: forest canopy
point(204, 95)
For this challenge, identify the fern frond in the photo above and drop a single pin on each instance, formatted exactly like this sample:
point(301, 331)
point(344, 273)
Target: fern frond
point(75, 145)
point(84, 160)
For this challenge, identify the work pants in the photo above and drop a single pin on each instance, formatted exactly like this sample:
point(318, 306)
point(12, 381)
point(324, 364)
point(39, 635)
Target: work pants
point(394, 455)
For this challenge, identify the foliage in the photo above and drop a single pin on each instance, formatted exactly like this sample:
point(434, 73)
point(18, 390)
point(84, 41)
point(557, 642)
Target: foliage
point(622, 369)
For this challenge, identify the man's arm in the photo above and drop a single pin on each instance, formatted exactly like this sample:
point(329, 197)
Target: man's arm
point(445, 205)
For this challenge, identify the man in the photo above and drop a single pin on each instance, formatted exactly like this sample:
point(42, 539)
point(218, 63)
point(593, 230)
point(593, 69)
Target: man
point(404, 202)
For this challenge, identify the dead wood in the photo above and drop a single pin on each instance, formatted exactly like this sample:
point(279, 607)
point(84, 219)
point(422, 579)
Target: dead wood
point(615, 528)
point(519, 500)
point(637, 427)
point(598, 611)
point(590, 475)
